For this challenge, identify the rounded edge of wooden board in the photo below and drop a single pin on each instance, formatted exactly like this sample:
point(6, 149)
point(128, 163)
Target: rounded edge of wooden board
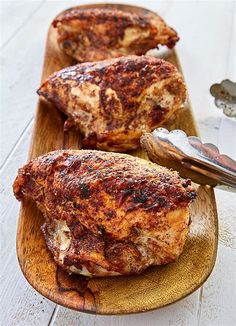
point(90, 306)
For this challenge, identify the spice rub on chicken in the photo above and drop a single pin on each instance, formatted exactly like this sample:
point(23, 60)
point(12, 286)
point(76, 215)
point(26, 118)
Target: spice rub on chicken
point(103, 33)
point(113, 102)
point(107, 213)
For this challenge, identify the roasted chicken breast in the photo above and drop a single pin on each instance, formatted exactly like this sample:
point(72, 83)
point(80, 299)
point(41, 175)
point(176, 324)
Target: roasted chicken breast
point(98, 34)
point(107, 213)
point(113, 102)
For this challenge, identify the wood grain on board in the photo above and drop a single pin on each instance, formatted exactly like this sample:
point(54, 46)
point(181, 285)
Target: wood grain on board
point(115, 295)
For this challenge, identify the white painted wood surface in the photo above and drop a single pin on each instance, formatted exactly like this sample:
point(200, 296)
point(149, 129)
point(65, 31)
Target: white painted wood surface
point(207, 54)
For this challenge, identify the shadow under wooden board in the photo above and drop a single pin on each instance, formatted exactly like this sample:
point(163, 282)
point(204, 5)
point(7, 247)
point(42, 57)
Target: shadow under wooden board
point(157, 286)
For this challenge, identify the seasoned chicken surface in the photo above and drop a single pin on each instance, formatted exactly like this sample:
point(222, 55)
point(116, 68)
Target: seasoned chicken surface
point(113, 102)
point(98, 34)
point(107, 213)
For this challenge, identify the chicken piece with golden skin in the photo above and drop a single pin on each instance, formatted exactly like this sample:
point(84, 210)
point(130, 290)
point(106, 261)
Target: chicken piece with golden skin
point(113, 102)
point(107, 213)
point(102, 33)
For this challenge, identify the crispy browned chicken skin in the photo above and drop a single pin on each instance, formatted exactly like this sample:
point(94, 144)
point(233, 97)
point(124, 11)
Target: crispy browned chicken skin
point(113, 102)
point(98, 34)
point(107, 213)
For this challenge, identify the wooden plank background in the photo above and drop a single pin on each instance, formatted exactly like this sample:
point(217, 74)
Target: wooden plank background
point(207, 53)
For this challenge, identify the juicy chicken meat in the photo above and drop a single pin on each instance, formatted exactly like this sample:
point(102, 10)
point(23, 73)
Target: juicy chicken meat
point(107, 213)
point(98, 34)
point(113, 102)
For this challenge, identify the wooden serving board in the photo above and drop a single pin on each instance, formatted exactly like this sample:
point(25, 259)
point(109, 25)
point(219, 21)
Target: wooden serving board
point(157, 286)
